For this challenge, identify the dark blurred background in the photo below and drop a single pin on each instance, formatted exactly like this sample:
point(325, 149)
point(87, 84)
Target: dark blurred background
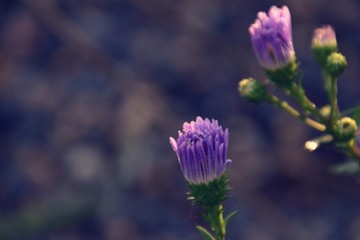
point(91, 90)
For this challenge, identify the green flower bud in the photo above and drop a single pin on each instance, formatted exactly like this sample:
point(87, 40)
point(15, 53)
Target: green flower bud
point(336, 64)
point(346, 129)
point(252, 90)
point(325, 111)
point(323, 44)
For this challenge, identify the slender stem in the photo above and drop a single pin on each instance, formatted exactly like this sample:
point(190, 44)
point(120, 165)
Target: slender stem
point(315, 143)
point(293, 112)
point(214, 215)
point(331, 88)
point(298, 93)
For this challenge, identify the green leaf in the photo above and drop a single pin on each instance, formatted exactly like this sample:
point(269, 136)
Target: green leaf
point(230, 216)
point(204, 233)
point(348, 168)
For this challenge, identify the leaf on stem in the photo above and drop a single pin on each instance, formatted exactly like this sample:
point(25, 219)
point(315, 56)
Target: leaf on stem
point(230, 216)
point(204, 233)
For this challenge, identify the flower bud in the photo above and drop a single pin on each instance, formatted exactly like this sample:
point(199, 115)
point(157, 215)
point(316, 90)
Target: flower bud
point(323, 44)
point(325, 111)
point(271, 37)
point(252, 90)
point(346, 129)
point(336, 64)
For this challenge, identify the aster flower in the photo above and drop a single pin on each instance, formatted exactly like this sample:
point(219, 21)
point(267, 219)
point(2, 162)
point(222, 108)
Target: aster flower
point(323, 44)
point(324, 36)
point(272, 38)
point(201, 149)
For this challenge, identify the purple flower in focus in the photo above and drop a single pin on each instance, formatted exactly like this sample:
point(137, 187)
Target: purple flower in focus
point(201, 149)
point(272, 38)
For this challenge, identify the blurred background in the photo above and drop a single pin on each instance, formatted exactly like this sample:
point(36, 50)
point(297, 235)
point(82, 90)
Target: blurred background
point(91, 90)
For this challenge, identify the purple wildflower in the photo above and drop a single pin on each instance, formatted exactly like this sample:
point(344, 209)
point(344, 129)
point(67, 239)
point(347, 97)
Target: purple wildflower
point(324, 37)
point(201, 149)
point(272, 38)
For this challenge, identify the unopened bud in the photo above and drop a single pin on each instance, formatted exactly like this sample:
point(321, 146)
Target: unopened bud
point(252, 90)
point(325, 111)
point(346, 129)
point(323, 44)
point(336, 64)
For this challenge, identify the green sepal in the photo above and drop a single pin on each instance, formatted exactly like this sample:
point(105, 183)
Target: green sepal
point(204, 233)
point(230, 216)
point(209, 194)
point(283, 77)
point(322, 52)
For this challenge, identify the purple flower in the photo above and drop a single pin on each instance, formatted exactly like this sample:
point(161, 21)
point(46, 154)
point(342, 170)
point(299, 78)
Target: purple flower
point(201, 149)
point(324, 37)
point(272, 38)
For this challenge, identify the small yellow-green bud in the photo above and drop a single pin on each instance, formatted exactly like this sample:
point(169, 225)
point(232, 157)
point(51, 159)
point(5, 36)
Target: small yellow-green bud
point(346, 129)
point(336, 64)
point(325, 111)
point(323, 44)
point(252, 90)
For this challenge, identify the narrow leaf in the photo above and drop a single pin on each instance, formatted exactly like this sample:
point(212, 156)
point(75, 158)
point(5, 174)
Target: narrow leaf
point(230, 216)
point(204, 233)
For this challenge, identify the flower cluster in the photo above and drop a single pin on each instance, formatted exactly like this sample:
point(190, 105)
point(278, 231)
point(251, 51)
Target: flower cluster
point(201, 146)
point(271, 36)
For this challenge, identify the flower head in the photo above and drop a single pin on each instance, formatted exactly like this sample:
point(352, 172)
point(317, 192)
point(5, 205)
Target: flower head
point(272, 38)
point(324, 36)
point(201, 149)
point(252, 90)
point(324, 44)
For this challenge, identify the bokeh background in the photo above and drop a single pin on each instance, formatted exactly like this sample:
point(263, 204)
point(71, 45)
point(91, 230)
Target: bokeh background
point(91, 90)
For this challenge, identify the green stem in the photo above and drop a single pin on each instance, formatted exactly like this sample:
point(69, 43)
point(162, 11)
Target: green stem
point(214, 216)
point(293, 112)
point(331, 89)
point(298, 93)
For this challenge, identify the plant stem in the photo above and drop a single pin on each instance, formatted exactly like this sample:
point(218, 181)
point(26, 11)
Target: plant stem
point(214, 216)
point(293, 112)
point(331, 88)
point(298, 93)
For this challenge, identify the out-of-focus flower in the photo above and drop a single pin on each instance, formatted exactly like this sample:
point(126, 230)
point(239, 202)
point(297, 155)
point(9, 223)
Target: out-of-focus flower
point(323, 44)
point(324, 37)
point(272, 38)
point(252, 90)
point(201, 149)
